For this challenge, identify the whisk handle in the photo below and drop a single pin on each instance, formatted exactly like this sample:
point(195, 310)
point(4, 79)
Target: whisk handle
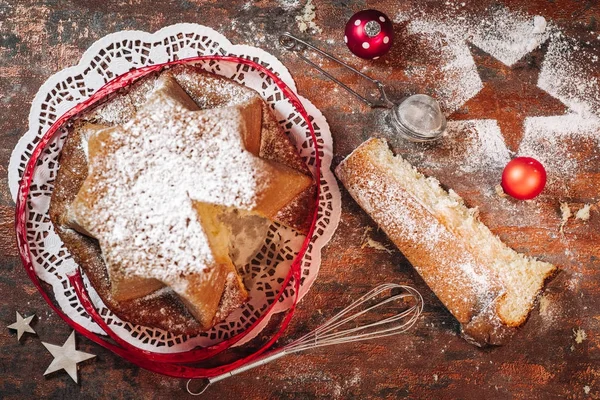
point(265, 360)
point(271, 357)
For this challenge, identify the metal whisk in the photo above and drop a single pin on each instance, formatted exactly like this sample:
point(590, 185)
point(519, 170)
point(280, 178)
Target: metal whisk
point(347, 326)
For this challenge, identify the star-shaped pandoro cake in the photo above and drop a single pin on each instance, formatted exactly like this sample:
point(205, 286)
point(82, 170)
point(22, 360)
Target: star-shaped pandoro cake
point(157, 185)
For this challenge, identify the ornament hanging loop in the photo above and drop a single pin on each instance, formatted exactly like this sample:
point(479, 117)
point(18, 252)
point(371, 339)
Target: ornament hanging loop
point(205, 383)
point(297, 45)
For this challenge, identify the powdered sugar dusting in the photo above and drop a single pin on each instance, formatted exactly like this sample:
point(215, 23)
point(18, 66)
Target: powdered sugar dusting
point(119, 108)
point(481, 137)
point(150, 176)
point(398, 220)
point(547, 140)
point(210, 91)
point(508, 36)
point(567, 78)
point(289, 4)
point(464, 263)
point(457, 69)
point(392, 207)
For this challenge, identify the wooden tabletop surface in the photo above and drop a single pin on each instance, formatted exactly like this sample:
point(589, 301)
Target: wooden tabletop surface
point(555, 355)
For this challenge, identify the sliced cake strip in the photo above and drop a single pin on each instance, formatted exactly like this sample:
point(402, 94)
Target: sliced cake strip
point(487, 286)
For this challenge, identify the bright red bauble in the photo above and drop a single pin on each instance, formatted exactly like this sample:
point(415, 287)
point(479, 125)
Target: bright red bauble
point(523, 178)
point(369, 34)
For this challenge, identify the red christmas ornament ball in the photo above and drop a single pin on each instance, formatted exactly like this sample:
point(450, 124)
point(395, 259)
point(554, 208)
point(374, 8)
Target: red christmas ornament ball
point(523, 178)
point(369, 34)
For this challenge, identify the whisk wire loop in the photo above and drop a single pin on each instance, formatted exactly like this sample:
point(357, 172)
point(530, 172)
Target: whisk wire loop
point(331, 332)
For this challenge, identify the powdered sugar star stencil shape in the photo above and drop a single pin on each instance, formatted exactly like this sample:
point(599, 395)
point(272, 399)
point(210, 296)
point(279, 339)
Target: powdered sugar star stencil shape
point(509, 93)
point(476, 142)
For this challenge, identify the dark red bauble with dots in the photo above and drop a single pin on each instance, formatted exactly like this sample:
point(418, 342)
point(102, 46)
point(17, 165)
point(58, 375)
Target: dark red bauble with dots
point(369, 34)
point(523, 178)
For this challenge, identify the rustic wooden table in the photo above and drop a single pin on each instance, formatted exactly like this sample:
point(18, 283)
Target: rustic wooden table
point(557, 353)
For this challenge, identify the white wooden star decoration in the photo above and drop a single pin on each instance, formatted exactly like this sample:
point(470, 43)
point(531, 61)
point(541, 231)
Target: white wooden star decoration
point(66, 357)
point(22, 325)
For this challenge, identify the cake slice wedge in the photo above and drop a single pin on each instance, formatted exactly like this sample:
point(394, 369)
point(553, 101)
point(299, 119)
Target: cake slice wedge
point(270, 142)
point(487, 286)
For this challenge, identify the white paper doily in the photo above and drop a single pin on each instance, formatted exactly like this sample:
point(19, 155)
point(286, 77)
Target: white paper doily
point(118, 53)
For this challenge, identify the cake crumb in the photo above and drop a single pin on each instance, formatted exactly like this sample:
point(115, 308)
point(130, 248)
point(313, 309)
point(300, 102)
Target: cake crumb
point(544, 303)
point(367, 241)
point(579, 335)
point(566, 214)
point(500, 192)
point(306, 20)
point(375, 245)
point(583, 213)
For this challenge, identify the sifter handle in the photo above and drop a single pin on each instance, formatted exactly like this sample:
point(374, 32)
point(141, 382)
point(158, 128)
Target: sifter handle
point(292, 43)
